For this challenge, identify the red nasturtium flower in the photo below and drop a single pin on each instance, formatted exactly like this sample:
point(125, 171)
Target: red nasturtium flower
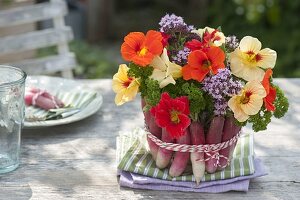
point(210, 37)
point(141, 49)
point(165, 39)
point(172, 114)
point(194, 45)
point(271, 92)
point(201, 63)
point(214, 37)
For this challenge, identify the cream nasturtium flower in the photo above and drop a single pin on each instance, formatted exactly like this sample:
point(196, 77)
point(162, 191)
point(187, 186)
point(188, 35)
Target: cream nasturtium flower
point(165, 72)
point(211, 35)
point(124, 86)
point(248, 101)
point(247, 60)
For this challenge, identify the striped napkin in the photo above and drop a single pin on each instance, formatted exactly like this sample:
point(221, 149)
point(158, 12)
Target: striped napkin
point(74, 101)
point(133, 156)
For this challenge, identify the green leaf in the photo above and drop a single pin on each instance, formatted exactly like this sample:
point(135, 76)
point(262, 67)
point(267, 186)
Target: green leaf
point(281, 103)
point(138, 71)
point(151, 92)
point(261, 120)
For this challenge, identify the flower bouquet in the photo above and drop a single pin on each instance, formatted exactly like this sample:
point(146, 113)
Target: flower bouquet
point(198, 89)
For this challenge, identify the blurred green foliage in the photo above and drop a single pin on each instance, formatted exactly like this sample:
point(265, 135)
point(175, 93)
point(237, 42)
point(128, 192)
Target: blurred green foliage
point(93, 61)
point(276, 23)
point(5, 2)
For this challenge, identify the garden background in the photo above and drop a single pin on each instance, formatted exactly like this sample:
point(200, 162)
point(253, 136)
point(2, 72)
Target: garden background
point(99, 27)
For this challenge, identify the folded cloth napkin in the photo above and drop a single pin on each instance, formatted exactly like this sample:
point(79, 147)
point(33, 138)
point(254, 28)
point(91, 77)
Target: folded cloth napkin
point(74, 101)
point(133, 156)
point(241, 183)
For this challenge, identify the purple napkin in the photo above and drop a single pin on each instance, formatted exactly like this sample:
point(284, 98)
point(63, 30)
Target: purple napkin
point(241, 183)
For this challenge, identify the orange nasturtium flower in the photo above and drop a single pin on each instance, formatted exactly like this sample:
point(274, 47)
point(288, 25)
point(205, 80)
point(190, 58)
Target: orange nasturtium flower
point(247, 60)
point(200, 63)
point(271, 92)
point(248, 101)
point(141, 49)
point(124, 86)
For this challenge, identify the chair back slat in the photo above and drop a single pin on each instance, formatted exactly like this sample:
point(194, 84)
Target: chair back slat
point(35, 40)
point(58, 36)
point(32, 13)
point(47, 65)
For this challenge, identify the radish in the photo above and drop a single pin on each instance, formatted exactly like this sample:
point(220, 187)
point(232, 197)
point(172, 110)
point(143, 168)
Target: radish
point(237, 129)
point(28, 98)
point(163, 155)
point(230, 130)
point(156, 131)
point(150, 122)
point(152, 128)
point(40, 101)
point(46, 94)
point(197, 158)
point(214, 136)
point(147, 114)
point(181, 158)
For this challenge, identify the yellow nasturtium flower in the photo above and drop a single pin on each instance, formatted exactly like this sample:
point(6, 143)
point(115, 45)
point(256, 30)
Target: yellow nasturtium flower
point(248, 101)
point(211, 35)
point(124, 86)
point(165, 72)
point(247, 60)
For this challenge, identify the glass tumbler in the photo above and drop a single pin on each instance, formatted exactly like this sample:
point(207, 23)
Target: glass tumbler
point(12, 86)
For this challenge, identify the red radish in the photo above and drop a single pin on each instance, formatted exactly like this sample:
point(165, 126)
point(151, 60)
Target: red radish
point(147, 114)
point(230, 130)
point(197, 158)
point(47, 95)
point(214, 136)
point(153, 148)
point(237, 129)
point(40, 101)
point(153, 128)
point(232, 147)
point(28, 98)
point(163, 155)
point(180, 158)
point(150, 122)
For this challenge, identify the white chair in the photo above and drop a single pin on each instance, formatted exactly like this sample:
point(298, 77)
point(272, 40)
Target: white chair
point(59, 35)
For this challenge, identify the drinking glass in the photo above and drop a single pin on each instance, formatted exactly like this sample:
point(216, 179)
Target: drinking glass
point(12, 86)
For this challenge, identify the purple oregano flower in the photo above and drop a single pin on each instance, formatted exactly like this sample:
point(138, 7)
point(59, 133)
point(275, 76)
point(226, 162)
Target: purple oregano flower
point(173, 23)
point(181, 57)
point(221, 86)
point(231, 42)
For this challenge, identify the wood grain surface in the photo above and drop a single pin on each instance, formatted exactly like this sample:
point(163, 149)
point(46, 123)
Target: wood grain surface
point(77, 161)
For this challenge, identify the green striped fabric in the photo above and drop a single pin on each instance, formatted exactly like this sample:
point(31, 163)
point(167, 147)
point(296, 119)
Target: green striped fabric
point(73, 101)
point(133, 156)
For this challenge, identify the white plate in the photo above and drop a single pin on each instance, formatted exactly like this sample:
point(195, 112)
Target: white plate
point(53, 84)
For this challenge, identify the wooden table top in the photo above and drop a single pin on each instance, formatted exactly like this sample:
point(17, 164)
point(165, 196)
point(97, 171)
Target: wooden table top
point(77, 161)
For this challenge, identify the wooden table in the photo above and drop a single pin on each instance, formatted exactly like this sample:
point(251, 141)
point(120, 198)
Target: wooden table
point(77, 161)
